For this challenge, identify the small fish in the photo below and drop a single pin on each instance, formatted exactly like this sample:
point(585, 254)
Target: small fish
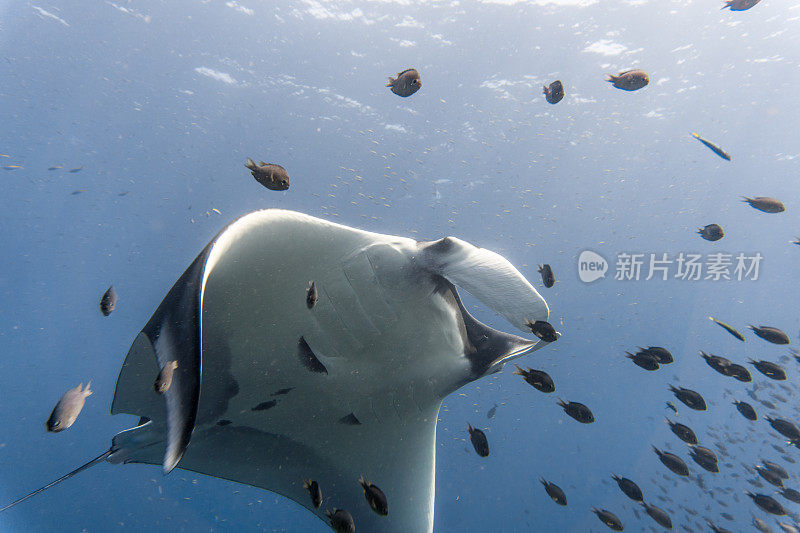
point(406, 83)
point(673, 462)
point(762, 526)
point(76, 169)
point(769, 369)
point(77, 192)
point(629, 488)
point(659, 515)
point(705, 458)
point(711, 232)
point(643, 360)
point(554, 93)
point(547, 275)
point(769, 334)
point(109, 301)
point(68, 408)
point(629, 80)
point(739, 373)
point(728, 328)
point(311, 295)
point(341, 521)
point(775, 467)
point(578, 411)
point(555, 492)
point(791, 495)
point(281, 392)
point(662, 355)
point(164, 379)
point(538, 379)
point(717, 362)
point(767, 503)
point(479, 441)
point(713, 147)
point(765, 204)
point(12, 167)
point(683, 432)
point(263, 406)
point(740, 5)
point(784, 427)
point(314, 491)
point(609, 519)
point(672, 407)
point(690, 398)
point(769, 476)
point(273, 177)
point(55, 167)
point(746, 410)
point(375, 497)
point(491, 412)
point(543, 330)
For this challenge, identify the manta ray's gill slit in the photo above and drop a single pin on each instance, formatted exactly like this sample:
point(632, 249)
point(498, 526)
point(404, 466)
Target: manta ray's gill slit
point(308, 359)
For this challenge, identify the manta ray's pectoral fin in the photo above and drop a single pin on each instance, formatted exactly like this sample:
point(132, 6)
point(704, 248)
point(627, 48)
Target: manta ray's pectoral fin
point(173, 333)
point(487, 276)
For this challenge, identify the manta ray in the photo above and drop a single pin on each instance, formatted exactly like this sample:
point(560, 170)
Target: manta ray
point(269, 391)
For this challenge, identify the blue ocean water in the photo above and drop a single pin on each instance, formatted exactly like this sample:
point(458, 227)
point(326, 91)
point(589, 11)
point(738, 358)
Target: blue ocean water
point(159, 104)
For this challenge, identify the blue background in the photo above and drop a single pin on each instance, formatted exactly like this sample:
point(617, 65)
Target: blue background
point(164, 101)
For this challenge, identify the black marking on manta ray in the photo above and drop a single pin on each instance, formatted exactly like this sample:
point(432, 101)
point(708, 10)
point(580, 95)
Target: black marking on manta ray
point(308, 358)
point(263, 406)
point(282, 391)
point(223, 423)
point(350, 420)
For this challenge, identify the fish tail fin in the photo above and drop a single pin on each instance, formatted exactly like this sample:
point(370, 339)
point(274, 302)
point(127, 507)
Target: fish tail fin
point(695, 135)
point(250, 164)
point(611, 78)
point(99, 458)
point(391, 81)
point(86, 391)
point(518, 371)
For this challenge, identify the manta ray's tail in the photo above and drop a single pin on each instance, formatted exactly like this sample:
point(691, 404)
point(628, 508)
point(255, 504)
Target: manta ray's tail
point(78, 470)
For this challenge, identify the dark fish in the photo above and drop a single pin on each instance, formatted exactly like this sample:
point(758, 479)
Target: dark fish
point(76, 169)
point(578, 411)
point(406, 83)
point(547, 275)
point(684, 433)
point(375, 497)
point(491, 412)
point(630, 488)
point(223, 423)
point(479, 441)
point(164, 379)
point(775, 467)
point(314, 491)
point(662, 355)
point(543, 330)
point(273, 177)
point(12, 167)
point(704, 457)
point(769, 369)
point(717, 150)
point(554, 93)
point(715, 528)
point(659, 515)
point(768, 404)
point(55, 167)
point(68, 408)
point(773, 335)
point(711, 232)
point(673, 462)
point(77, 192)
point(765, 204)
point(769, 476)
point(717, 362)
point(672, 407)
point(263, 406)
point(767, 503)
point(791, 495)
point(728, 328)
point(761, 525)
point(739, 373)
point(281, 392)
point(740, 5)
point(692, 399)
point(643, 360)
point(109, 301)
point(341, 521)
point(538, 379)
point(311, 295)
point(785, 428)
point(629, 80)
point(747, 410)
point(609, 519)
point(554, 491)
